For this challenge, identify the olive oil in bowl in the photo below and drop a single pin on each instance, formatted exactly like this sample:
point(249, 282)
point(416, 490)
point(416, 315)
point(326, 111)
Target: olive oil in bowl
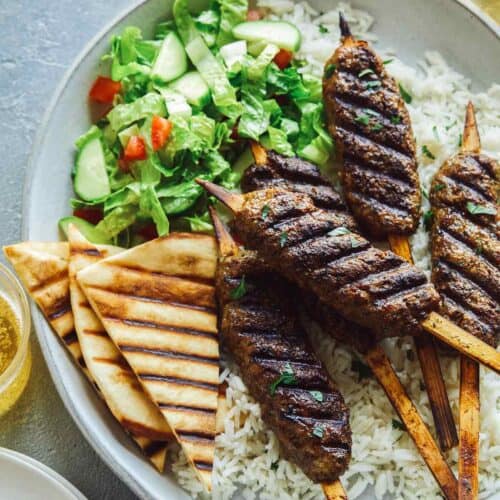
point(15, 355)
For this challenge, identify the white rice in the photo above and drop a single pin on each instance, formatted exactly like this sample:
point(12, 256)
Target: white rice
point(247, 459)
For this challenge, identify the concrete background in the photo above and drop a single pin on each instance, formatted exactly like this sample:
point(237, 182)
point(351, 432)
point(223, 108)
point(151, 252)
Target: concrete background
point(40, 39)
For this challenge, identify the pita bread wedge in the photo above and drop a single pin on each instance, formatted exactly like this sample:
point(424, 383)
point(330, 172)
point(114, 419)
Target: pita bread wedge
point(117, 383)
point(43, 270)
point(157, 302)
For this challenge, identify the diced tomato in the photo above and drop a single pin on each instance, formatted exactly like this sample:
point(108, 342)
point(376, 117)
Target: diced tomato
point(253, 15)
point(148, 232)
point(92, 215)
point(283, 58)
point(104, 90)
point(160, 132)
point(135, 150)
point(123, 164)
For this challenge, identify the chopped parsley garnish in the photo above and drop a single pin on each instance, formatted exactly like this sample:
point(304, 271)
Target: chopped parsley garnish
point(265, 212)
point(450, 125)
point(435, 132)
point(372, 84)
point(364, 119)
point(367, 71)
point(339, 231)
point(426, 152)
point(460, 140)
point(274, 465)
point(240, 290)
point(287, 377)
point(317, 395)
point(480, 209)
point(396, 424)
point(425, 194)
point(318, 431)
point(323, 29)
point(479, 249)
point(396, 119)
point(405, 94)
point(283, 238)
point(388, 61)
point(329, 70)
point(377, 127)
point(355, 243)
point(428, 217)
point(361, 369)
point(438, 187)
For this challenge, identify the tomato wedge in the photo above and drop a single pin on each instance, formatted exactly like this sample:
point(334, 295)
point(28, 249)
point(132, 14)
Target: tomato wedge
point(92, 215)
point(136, 149)
point(160, 131)
point(253, 15)
point(104, 90)
point(283, 58)
point(148, 232)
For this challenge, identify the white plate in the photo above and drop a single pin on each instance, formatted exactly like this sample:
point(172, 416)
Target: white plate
point(23, 478)
point(411, 26)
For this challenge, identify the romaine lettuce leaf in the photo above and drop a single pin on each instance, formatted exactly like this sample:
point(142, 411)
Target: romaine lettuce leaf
point(207, 23)
point(118, 220)
point(123, 115)
point(149, 204)
point(232, 12)
point(254, 119)
point(279, 143)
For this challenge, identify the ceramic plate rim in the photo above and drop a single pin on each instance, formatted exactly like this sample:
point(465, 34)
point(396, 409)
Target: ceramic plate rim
point(31, 463)
point(37, 317)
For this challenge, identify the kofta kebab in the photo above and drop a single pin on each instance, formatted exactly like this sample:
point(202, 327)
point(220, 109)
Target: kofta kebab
point(466, 272)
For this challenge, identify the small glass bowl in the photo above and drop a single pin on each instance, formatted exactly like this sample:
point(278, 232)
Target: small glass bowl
point(14, 379)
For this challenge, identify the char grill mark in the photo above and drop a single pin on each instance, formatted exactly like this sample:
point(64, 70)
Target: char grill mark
point(465, 246)
point(262, 332)
point(371, 127)
point(349, 280)
point(293, 174)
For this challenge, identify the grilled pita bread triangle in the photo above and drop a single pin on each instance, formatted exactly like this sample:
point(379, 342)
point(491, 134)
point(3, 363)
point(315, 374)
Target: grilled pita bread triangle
point(157, 302)
point(43, 270)
point(117, 383)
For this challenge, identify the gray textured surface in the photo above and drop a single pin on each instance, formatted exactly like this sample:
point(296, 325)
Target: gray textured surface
point(39, 42)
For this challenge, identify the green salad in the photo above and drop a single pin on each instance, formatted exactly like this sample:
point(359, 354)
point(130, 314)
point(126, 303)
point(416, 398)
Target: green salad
point(184, 105)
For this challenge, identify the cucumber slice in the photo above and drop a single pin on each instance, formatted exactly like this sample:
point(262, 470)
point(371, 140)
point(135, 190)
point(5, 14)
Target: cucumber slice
point(171, 61)
point(91, 178)
point(86, 228)
point(176, 103)
point(280, 33)
point(193, 88)
point(233, 53)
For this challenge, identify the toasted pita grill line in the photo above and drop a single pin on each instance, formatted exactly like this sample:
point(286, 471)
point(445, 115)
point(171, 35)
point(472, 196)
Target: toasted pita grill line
point(167, 333)
point(43, 270)
point(117, 383)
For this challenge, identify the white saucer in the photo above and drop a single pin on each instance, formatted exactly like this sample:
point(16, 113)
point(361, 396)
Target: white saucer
point(23, 478)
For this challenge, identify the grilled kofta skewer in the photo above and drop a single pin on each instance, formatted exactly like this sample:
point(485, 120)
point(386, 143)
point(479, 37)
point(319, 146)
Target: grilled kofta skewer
point(274, 170)
point(466, 272)
point(372, 130)
point(370, 287)
point(261, 329)
point(374, 140)
point(384, 373)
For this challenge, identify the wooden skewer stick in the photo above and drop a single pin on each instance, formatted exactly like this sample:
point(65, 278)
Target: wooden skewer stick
point(469, 403)
point(227, 248)
point(431, 369)
point(437, 325)
point(334, 491)
point(382, 369)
